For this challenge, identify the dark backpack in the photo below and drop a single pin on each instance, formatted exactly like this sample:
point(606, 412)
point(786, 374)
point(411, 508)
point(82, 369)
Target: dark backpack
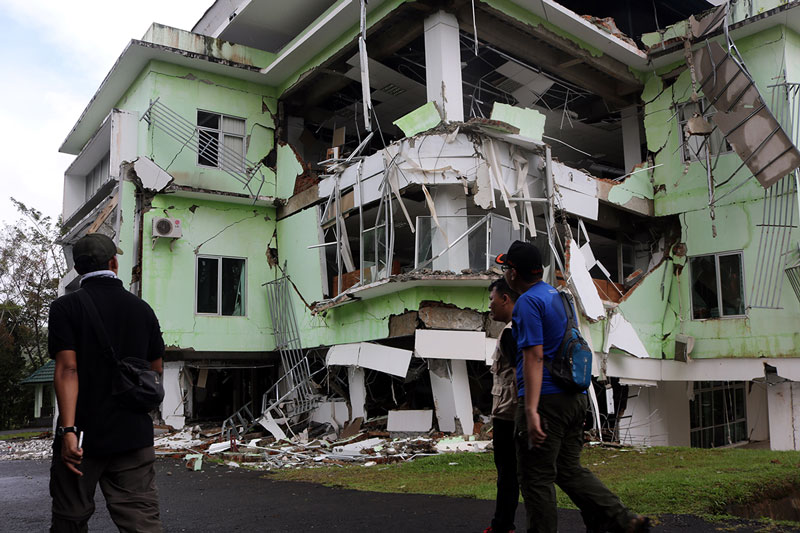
point(571, 365)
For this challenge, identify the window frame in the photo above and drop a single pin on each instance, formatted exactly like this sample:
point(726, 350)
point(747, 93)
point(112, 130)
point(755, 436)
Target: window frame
point(220, 134)
point(707, 110)
point(716, 257)
point(709, 387)
point(219, 259)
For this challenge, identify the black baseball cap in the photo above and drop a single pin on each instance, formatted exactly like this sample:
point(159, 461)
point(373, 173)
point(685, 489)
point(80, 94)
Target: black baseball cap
point(522, 256)
point(93, 249)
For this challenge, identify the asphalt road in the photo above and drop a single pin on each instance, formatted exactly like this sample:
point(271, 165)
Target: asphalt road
point(219, 498)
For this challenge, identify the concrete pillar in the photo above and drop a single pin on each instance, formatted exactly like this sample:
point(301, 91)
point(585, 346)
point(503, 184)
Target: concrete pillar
point(631, 139)
point(358, 392)
point(450, 201)
point(451, 395)
point(783, 403)
point(172, 408)
point(443, 65)
point(37, 400)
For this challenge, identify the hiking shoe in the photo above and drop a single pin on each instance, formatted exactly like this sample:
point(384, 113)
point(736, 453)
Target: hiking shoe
point(638, 524)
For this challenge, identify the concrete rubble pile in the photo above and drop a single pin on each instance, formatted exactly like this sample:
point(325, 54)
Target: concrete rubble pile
point(368, 447)
point(40, 447)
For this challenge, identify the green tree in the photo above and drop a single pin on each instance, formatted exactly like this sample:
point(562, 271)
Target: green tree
point(31, 265)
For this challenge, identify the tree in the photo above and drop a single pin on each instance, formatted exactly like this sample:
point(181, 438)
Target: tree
point(31, 266)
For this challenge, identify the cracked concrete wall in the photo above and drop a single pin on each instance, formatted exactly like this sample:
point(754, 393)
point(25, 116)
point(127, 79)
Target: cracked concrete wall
point(186, 90)
point(681, 188)
point(168, 284)
point(364, 320)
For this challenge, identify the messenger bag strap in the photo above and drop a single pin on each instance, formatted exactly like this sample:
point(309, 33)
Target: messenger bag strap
point(96, 321)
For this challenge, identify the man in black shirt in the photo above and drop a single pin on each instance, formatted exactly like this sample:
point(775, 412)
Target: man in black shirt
point(117, 444)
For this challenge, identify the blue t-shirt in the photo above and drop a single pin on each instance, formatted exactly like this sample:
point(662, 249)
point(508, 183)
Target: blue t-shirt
point(538, 318)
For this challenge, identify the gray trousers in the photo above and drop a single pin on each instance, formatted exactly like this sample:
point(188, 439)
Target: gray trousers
point(558, 461)
point(128, 484)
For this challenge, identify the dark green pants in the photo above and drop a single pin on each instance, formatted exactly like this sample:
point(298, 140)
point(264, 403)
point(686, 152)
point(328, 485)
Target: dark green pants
point(128, 484)
point(558, 460)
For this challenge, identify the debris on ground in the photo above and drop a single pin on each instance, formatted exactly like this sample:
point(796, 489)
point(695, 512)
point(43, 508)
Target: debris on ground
point(40, 447)
point(368, 445)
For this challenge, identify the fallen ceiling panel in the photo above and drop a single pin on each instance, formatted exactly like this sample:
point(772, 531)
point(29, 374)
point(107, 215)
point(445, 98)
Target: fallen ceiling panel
point(743, 116)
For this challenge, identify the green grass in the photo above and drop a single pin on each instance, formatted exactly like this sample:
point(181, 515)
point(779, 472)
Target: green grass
point(651, 481)
point(21, 435)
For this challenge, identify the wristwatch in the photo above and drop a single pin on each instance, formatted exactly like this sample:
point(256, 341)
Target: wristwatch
point(60, 431)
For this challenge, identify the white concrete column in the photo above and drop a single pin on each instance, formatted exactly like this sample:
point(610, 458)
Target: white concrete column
point(443, 65)
point(451, 394)
point(631, 139)
point(450, 201)
point(172, 409)
point(783, 403)
point(37, 400)
point(358, 392)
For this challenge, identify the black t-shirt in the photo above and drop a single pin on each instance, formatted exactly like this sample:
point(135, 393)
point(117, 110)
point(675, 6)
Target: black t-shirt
point(133, 330)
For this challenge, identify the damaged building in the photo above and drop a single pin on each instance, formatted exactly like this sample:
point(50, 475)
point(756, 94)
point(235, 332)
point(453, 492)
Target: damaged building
point(311, 197)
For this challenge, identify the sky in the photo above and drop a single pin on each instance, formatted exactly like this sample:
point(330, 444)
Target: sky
point(54, 55)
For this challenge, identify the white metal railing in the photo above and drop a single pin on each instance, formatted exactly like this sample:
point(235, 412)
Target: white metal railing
point(463, 242)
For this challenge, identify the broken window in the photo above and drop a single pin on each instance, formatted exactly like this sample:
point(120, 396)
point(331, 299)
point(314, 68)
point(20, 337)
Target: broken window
point(220, 141)
point(97, 176)
point(694, 146)
point(220, 286)
point(717, 285)
point(718, 414)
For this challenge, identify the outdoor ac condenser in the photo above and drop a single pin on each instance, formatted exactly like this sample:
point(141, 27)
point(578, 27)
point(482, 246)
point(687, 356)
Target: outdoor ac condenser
point(167, 227)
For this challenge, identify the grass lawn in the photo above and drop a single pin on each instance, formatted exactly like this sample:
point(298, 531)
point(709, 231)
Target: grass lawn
point(21, 435)
point(651, 481)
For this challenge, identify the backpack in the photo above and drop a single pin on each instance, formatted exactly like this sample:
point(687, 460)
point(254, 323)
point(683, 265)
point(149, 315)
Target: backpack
point(571, 365)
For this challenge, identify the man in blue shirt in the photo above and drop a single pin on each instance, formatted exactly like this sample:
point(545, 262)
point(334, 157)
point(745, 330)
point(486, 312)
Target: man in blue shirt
point(549, 421)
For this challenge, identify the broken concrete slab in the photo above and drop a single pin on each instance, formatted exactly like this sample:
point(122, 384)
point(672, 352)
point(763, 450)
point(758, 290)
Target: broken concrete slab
point(586, 291)
point(386, 359)
point(450, 317)
point(450, 344)
point(421, 119)
point(410, 420)
point(153, 177)
point(529, 121)
point(403, 325)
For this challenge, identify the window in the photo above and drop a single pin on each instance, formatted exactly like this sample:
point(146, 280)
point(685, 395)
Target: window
point(694, 146)
point(718, 414)
point(717, 285)
point(221, 141)
point(221, 286)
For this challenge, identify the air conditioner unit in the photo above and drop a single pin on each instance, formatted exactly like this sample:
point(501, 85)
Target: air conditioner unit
point(167, 227)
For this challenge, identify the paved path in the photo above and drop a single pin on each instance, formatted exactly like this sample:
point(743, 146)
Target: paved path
point(223, 499)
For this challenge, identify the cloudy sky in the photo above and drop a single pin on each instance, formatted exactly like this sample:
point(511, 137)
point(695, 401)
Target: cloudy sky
point(54, 54)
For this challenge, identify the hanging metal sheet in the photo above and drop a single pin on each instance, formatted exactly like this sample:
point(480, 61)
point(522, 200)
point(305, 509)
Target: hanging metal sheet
point(743, 116)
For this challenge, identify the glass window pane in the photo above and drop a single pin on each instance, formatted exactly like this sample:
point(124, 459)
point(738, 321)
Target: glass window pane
point(233, 154)
point(207, 276)
point(704, 287)
point(730, 274)
point(208, 120)
point(207, 149)
point(233, 285)
point(233, 125)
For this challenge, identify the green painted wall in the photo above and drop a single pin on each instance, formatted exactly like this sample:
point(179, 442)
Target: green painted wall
point(681, 189)
point(209, 228)
point(365, 320)
point(680, 186)
point(185, 91)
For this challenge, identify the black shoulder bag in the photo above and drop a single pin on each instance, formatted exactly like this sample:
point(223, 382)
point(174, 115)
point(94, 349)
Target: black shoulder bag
point(134, 385)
